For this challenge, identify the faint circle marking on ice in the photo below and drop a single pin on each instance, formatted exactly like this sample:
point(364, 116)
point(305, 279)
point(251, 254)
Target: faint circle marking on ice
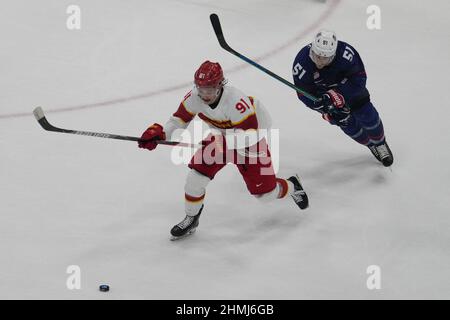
point(333, 5)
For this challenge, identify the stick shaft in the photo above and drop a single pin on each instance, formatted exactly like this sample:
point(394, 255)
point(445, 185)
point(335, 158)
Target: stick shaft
point(220, 37)
point(40, 117)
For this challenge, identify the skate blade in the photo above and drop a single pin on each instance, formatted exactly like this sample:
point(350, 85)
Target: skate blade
point(174, 238)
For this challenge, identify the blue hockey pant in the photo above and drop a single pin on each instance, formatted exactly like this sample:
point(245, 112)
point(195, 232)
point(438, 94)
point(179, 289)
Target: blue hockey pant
point(364, 126)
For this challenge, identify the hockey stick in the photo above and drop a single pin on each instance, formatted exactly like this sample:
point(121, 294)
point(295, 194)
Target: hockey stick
point(219, 34)
point(40, 117)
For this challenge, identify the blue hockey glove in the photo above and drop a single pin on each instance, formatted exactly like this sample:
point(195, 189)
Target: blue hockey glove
point(331, 102)
point(339, 119)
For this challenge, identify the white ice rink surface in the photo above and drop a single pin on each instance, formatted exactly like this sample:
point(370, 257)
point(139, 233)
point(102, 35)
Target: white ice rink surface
point(108, 206)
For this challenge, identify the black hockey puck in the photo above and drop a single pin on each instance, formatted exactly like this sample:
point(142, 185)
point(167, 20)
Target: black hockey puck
point(104, 288)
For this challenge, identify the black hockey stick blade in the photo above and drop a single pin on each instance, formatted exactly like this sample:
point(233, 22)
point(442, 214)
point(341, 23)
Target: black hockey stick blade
point(38, 113)
point(221, 38)
point(40, 117)
point(219, 33)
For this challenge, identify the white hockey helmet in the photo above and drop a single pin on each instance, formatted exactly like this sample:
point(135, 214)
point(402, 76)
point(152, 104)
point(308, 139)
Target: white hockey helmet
point(325, 44)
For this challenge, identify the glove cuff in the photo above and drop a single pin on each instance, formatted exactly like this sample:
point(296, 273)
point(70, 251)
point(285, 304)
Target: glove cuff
point(156, 126)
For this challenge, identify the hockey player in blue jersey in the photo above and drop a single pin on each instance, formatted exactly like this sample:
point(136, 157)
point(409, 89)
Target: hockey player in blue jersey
point(333, 71)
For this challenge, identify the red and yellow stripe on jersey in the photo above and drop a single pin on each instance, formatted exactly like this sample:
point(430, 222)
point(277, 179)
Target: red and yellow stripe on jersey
point(241, 114)
point(183, 113)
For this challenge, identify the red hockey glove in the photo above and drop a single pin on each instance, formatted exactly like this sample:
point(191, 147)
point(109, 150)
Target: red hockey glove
point(154, 132)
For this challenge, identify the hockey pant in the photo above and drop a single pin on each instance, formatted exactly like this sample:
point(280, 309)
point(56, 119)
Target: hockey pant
point(259, 178)
point(364, 126)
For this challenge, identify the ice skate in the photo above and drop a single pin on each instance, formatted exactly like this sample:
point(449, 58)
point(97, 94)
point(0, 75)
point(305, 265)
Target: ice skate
point(383, 154)
point(186, 227)
point(299, 195)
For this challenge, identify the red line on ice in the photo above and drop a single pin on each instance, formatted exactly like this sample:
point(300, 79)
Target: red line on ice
point(267, 55)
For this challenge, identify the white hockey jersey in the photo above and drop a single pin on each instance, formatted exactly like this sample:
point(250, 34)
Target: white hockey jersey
point(235, 115)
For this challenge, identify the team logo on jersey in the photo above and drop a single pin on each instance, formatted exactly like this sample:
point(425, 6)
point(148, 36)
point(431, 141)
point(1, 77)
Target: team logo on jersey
point(316, 75)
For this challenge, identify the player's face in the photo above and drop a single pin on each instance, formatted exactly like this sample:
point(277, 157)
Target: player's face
point(209, 95)
point(319, 61)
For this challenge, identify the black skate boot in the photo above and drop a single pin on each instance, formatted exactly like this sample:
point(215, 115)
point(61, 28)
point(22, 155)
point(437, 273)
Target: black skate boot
point(374, 151)
point(186, 227)
point(299, 195)
point(383, 154)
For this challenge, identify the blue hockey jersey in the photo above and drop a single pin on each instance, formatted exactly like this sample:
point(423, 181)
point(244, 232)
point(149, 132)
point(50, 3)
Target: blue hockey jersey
point(346, 74)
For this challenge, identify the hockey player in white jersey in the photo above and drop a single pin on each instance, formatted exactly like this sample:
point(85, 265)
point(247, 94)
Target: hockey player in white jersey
point(236, 119)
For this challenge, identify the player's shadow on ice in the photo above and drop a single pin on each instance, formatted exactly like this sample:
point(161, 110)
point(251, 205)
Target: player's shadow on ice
point(240, 231)
point(339, 172)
